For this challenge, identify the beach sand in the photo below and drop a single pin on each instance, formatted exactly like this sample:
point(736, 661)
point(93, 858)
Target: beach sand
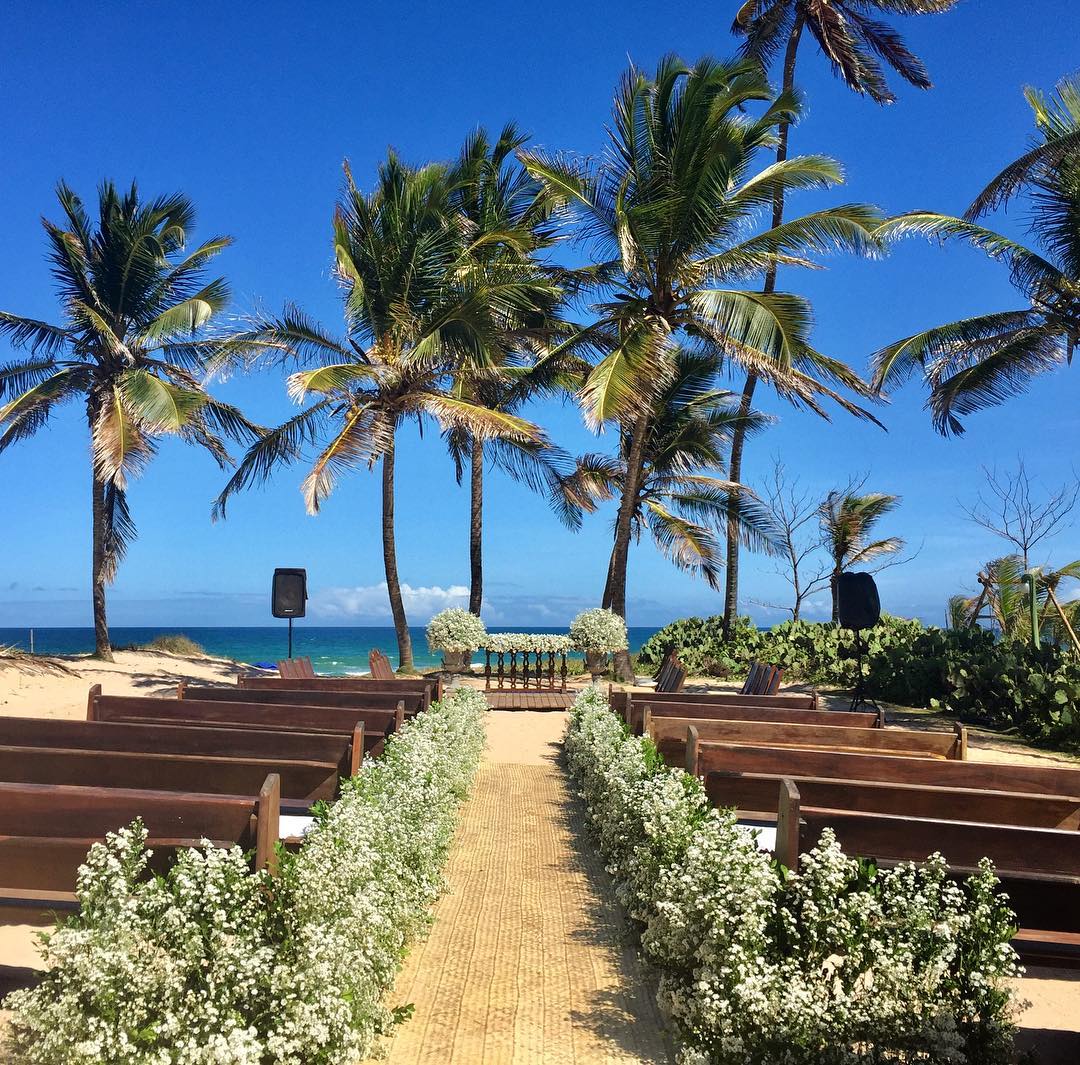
point(1050, 1023)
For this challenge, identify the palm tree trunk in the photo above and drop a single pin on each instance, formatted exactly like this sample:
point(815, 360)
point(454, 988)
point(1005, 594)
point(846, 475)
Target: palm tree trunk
point(738, 439)
point(102, 643)
point(615, 595)
point(393, 585)
point(476, 529)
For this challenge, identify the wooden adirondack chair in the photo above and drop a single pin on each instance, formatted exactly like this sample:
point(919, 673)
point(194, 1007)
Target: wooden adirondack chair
point(380, 666)
point(295, 668)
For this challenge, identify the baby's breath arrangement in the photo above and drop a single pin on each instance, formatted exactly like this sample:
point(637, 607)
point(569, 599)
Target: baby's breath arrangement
point(599, 630)
point(542, 642)
point(842, 964)
point(216, 964)
point(455, 631)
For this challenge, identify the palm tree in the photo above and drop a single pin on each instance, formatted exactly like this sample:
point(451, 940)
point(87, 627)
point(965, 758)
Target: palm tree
point(847, 523)
point(981, 361)
point(860, 48)
point(508, 219)
point(417, 308)
point(132, 345)
point(680, 499)
point(669, 211)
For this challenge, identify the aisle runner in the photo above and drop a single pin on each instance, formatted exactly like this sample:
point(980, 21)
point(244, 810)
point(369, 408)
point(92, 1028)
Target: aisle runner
point(528, 961)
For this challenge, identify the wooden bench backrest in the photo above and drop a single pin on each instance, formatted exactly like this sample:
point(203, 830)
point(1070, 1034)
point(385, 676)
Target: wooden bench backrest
point(670, 736)
point(622, 700)
point(177, 739)
point(431, 687)
point(369, 698)
point(46, 830)
point(756, 793)
point(262, 716)
point(154, 771)
point(750, 712)
point(844, 765)
point(887, 837)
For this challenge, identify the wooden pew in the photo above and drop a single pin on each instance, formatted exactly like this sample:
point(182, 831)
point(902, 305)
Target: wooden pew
point(754, 796)
point(674, 741)
point(775, 715)
point(378, 723)
point(295, 667)
point(346, 752)
point(46, 831)
point(704, 758)
point(301, 782)
point(430, 687)
point(414, 702)
point(1039, 867)
point(622, 701)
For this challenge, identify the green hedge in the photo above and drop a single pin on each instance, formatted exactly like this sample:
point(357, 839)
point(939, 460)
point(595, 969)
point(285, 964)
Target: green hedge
point(967, 672)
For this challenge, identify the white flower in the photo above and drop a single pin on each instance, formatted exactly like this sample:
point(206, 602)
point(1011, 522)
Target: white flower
point(455, 631)
point(599, 630)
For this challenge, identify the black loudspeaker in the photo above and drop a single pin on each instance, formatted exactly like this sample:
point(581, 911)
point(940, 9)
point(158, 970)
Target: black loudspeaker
point(289, 596)
point(857, 601)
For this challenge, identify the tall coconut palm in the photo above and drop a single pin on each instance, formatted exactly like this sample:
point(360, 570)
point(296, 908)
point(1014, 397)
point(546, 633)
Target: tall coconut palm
point(417, 309)
point(681, 500)
point(981, 361)
point(847, 524)
point(860, 48)
point(132, 345)
point(508, 220)
point(669, 210)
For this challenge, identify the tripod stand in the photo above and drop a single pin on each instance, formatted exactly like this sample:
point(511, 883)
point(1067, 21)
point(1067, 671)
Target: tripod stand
point(858, 696)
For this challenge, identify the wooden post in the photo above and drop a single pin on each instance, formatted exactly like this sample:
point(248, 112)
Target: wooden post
point(91, 702)
point(814, 699)
point(646, 720)
point(356, 755)
point(180, 689)
point(692, 750)
point(961, 741)
point(879, 721)
point(268, 824)
point(399, 716)
point(787, 826)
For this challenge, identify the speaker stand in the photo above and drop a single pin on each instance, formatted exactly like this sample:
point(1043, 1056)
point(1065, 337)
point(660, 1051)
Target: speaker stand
point(859, 698)
point(290, 637)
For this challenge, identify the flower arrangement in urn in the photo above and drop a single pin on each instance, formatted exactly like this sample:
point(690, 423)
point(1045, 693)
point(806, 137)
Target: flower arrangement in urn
point(598, 632)
point(456, 633)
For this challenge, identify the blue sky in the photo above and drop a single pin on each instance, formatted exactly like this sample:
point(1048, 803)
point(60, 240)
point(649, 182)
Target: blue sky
point(251, 108)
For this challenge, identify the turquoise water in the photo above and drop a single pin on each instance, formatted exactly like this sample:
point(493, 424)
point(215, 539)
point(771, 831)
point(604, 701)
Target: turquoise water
point(331, 650)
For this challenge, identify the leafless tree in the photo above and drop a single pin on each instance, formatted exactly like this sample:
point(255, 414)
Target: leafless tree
point(1014, 507)
point(801, 561)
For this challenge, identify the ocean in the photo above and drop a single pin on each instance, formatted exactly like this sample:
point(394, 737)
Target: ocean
point(331, 649)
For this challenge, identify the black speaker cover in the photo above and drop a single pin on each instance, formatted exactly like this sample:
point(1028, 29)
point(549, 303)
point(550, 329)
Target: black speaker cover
point(289, 596)
point(857, 601)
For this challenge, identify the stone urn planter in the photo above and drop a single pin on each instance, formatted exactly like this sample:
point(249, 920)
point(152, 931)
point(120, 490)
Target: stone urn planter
point(596, 663)
point(456, 661)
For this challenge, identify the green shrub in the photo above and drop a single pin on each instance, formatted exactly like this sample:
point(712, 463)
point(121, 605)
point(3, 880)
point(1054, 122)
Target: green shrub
point(176, 644)
point(969, 673)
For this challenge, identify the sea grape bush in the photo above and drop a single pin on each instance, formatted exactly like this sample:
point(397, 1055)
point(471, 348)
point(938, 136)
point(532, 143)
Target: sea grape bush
point(455, 631)
point(599, 630)
point(213, 964)
point(967, 672)
point(841, 964)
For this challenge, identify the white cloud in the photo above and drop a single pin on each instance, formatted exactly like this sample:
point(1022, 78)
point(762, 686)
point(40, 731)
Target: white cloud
point(371, 602)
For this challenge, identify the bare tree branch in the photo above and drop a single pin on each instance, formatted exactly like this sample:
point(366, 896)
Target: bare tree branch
point(1016, 510)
